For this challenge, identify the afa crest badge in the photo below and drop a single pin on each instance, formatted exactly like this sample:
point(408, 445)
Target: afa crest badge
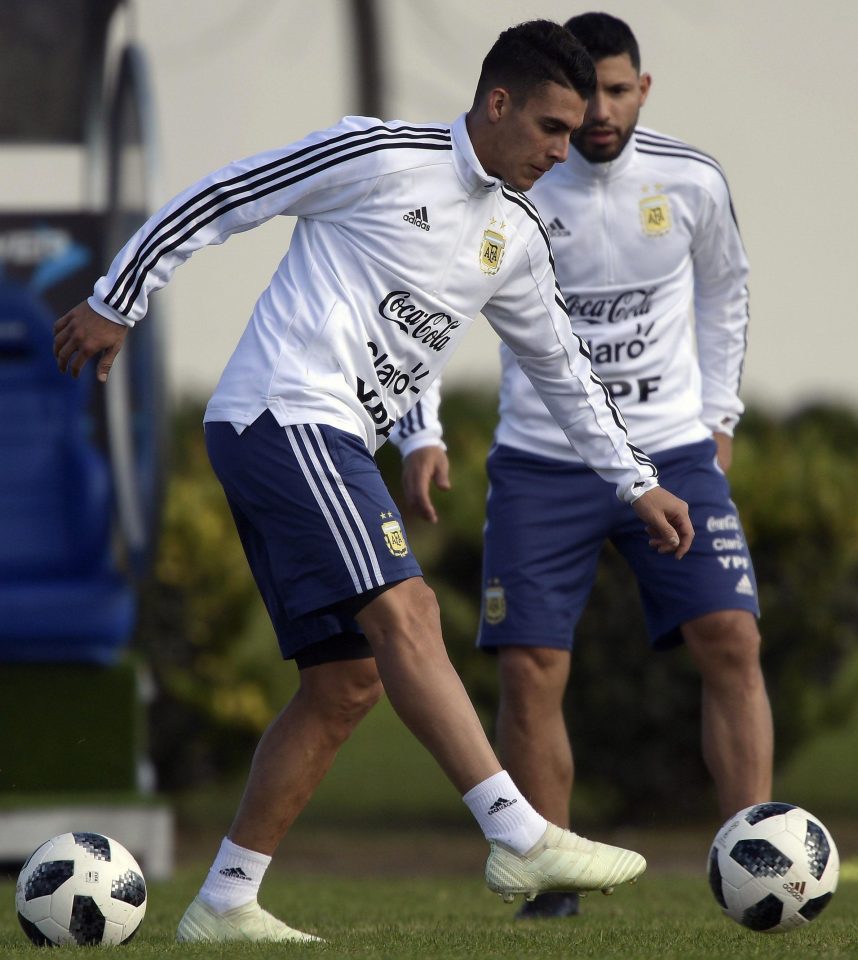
point(494, 603)
point(655, 215)
point(394, 538)
point(491, 250)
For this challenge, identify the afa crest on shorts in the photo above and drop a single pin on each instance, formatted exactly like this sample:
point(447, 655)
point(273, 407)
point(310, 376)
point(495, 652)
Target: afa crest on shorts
point(394, 537)
point(494, 602)
point(655, 215)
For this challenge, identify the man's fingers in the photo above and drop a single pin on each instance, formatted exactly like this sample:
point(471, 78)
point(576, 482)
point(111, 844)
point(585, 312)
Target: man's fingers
point(62, 337)
point(671, 534)
point(416, 489)
point(685, 531)
point(64, 350)
point(422, 503)
point(102, 371)
point(663, 537)
point(666, 521)
point(442, 477)
point(67, 342)
point(427, 511)
point(420, 469)
point(673, 537)
point(82, 334)
point(59, 326)
point(75, 354)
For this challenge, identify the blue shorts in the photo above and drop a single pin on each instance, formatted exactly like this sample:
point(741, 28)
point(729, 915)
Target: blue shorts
point(546, 524)
point(319, 528)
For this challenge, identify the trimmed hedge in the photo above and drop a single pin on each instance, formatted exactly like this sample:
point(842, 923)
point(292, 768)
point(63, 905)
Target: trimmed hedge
point(635, 719)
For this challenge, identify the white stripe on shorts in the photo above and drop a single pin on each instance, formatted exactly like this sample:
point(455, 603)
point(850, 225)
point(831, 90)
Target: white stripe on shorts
point(319, 481)
point(357, 519)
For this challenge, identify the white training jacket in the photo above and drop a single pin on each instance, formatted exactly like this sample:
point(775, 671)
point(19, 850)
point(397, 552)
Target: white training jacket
point(401, 240)
point(652, 267)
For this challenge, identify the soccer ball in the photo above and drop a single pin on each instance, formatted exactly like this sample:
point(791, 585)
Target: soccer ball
point(80, 888)
point(773, 867)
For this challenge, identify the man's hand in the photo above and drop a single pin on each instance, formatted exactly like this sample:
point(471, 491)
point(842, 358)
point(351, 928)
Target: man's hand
point(419, 470)
point(725, 450)
point(82, 334)
point(667, 522)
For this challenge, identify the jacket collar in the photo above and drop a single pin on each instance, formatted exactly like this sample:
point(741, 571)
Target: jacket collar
point(468, 168)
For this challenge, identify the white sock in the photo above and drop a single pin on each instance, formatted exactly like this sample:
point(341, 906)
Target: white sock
point(503, 814)
point(234, 877)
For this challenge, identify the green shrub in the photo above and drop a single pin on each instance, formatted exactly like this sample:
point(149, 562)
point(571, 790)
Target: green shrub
point(633, 714)
point(203, 630)
point(635, 720)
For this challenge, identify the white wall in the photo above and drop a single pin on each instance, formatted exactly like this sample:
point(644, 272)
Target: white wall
point(767, 86)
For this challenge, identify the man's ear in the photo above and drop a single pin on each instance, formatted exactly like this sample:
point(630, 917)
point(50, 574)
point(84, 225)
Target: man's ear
point(497, 104)
point(645, 84)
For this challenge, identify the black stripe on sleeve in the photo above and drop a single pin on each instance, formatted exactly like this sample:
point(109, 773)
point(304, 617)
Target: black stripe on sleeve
point(406, 427)
point(531, 211)
point(127, 286)
point(658, 146)
point(521, 201)
point(652, 139)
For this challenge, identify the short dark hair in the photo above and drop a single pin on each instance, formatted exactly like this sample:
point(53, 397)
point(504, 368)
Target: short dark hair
point(532, 54)
point(605, 36)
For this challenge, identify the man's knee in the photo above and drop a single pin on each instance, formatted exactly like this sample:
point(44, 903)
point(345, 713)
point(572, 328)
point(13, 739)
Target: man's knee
point(727, 641)
point(405, 615)
point(363, 691)
point(533, 677)
point(344, 691)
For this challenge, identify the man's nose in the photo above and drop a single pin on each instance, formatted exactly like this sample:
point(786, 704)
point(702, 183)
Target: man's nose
point(597, 108)
point(559, 149)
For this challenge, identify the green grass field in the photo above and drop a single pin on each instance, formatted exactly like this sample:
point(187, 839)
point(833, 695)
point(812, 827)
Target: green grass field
point(417, 912)
point(357, 871)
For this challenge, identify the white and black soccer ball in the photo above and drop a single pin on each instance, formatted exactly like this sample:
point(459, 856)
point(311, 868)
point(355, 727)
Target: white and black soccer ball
point(773, 867)
point(80, 888)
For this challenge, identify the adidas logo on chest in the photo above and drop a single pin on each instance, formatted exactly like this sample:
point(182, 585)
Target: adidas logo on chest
point(419, 217)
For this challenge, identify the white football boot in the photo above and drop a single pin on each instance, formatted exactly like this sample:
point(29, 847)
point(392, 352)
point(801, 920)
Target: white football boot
point(560, 860)
point(247, 922)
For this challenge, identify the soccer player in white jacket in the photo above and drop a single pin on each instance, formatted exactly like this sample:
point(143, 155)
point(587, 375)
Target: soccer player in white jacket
point(405, 233)
point(651, 265)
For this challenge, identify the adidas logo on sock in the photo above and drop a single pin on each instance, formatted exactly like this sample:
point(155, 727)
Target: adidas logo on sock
point(234, 873)
point(556, 228)
point(419, 217)
point(745, 586)
point(500, 804)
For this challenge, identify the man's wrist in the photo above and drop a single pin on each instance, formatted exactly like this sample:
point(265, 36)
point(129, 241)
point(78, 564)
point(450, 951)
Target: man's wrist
point(102, 309)
point(411, 444)
point(639, 488)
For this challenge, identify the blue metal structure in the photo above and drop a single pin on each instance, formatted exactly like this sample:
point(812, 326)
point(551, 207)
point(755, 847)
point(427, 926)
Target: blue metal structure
point(80, 465)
